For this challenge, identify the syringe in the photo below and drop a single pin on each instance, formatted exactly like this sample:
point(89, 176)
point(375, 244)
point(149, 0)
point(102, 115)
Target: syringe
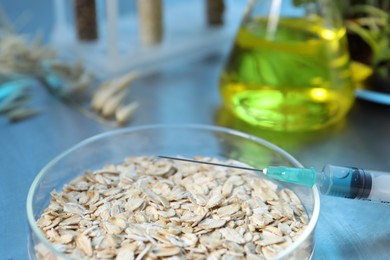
point(339, 181)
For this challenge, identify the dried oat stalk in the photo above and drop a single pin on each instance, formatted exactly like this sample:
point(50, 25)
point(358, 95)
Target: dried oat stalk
point(108, 99)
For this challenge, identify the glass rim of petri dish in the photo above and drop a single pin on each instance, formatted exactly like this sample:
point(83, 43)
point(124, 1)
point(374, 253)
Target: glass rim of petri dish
point(289, 250)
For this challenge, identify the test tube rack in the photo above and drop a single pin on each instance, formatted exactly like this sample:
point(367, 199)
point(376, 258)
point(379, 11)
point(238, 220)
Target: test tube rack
point(119, 49)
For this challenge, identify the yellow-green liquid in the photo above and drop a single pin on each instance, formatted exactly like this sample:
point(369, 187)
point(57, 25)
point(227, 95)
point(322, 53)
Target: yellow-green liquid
point(296, 79)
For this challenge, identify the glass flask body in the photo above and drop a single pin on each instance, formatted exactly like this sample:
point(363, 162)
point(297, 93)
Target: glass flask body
point(288, 69)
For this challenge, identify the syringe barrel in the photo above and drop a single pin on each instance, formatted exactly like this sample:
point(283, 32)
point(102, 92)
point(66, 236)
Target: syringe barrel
point(355, 183)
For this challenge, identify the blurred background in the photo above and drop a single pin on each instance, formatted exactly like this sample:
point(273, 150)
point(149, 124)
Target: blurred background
point(53, 94)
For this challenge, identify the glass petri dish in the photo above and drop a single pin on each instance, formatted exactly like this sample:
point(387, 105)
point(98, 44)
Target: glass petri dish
point(170, 140)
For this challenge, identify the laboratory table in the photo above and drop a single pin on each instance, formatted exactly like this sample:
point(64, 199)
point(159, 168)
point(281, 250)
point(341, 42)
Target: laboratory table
point(188, 93)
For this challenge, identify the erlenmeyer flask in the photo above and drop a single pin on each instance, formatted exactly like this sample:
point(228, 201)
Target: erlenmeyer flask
point(289, 66)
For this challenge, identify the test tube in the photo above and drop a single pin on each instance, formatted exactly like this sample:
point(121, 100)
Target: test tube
point(150, 19)
point(215, 10)
point(85, 18)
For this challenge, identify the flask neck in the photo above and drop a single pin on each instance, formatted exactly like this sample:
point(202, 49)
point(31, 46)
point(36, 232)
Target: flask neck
point(273, 10)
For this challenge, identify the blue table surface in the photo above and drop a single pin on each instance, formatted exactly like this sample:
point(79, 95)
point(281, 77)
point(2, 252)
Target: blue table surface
point(347, 229)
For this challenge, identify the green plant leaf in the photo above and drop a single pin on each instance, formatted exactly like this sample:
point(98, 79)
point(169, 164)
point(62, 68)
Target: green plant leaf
point(363, 33)
point(369, 10)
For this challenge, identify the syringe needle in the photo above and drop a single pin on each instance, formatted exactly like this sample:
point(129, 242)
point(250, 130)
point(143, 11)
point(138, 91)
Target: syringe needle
point(301, 176)
point(211, 163)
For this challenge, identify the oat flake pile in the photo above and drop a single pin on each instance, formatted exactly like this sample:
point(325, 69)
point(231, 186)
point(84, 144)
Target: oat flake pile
point(148, 208)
